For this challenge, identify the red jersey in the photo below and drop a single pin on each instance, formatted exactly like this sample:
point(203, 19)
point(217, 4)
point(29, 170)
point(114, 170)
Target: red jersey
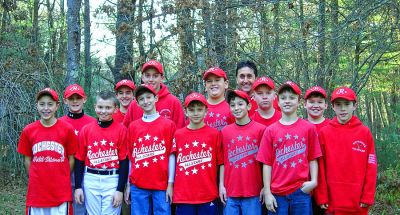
point(322, 124)
point(242, 173)
point(254, 106)
point(218, 115)
point(102, 148)
point(288, 150)
point(198, 153)
point(118, 116)
point(167, 106)
point(348, 168)
point(49, 182)
point(79, 122)
point(267, 122)
point(150, 145)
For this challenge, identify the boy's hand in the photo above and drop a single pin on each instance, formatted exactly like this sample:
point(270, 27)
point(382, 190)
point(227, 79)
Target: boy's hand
point(308, 186)
point(127, 195)
point(324, 206)
point(270, 201)
point(117, 199)
point(262, 196)
point(169, 193)
point(79, 197)
point(222, 194)
point(362, 205)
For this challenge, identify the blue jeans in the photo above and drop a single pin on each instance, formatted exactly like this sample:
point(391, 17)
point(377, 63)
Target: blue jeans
point(296, 203)
point(243, 205)
point(209, 208)
point(144, 202)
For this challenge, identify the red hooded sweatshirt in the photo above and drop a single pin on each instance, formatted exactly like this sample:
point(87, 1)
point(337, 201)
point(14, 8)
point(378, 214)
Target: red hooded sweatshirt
point(348, 168)
point(167, 105)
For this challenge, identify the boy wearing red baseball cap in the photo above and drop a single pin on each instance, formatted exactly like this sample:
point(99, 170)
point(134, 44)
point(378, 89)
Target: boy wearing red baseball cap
point(289, 151)
point(240, 182)
point(348, 168)
point(198, 152)
point(75, 99)
point(264, 95)
point(167, 106)
point(124, 91)
point(218, 114)
point(316, 104)
point(152, 172)
point(48, 146)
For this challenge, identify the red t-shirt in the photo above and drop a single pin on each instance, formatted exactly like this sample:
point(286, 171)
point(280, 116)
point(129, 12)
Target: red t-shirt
point(198, 152)
point(102, 148)
point(322, 124)
point(218, 115)
point(49, 173)
point(78, 123)
point(118, 116)
point(150, 145)
point(167, 105)
point(242, 173)
point(288, 150)
point(267, 122)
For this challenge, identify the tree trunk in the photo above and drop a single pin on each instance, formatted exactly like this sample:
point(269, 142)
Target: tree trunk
point(334, 49)
point(35, 23)
point(321, 44)
point(220, 33)
point(276, 23)
point(123, 68)
point(74, 41)
point(304, 51)
point(208, 34)
point(88, 59)
point(62, 39)
point(186, 37)
point(264, 42)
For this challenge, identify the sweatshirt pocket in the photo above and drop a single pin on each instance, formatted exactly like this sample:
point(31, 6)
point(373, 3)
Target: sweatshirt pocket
point(344, 195)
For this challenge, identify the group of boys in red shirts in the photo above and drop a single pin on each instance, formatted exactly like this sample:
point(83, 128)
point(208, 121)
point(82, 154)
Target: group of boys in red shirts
point(252, 138)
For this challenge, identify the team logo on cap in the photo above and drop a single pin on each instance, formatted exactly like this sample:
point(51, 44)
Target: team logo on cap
point(152, 62)
point(74, 88)
point(47, 89)
point(341, 92)
point(194, 96)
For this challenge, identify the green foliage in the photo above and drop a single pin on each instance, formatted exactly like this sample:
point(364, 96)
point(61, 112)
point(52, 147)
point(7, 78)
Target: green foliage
point(387, 198)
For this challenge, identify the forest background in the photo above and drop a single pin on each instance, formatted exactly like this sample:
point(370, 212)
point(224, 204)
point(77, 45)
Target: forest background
point(318, 42)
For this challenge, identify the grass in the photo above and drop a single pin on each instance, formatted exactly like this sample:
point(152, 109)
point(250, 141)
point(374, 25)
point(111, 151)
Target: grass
point(12, 195)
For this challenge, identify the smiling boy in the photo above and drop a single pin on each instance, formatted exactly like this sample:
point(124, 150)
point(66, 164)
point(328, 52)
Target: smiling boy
point(348, 168)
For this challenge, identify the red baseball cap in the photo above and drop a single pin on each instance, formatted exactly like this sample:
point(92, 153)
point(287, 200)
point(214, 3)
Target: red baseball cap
point(144, 88)
point(344, 93)
point(237, 93)
point(291, 85)
point(74, 89)
point(153, 64)
point(47, 91)
point(264, 81)
point(215, 71)
point(126, 83)
point(315, 89)
point(195, 97)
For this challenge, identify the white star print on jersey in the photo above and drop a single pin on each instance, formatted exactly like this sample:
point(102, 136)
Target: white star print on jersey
point(148, 151)
point(288, 150)
point(188, 159)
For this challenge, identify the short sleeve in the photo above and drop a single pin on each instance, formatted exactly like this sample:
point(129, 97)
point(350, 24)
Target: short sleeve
point(220, 151)
point(265, 154)
point(81, 152)
point(314, 146)
point(24, 146)
point(122, 144)
point(72, 142)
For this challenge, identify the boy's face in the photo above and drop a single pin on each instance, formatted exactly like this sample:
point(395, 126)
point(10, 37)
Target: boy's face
point(264, 97)
point(216, 86)
point(75, 103)
point(315, 106)
point(245, 79)
point(104, 109)
point(147, 102)
point(288, 102)
point(125, 96)
point(152, 77)
point(239, 108)
point(196, 112)
point(46, 107)
point(343, 109)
